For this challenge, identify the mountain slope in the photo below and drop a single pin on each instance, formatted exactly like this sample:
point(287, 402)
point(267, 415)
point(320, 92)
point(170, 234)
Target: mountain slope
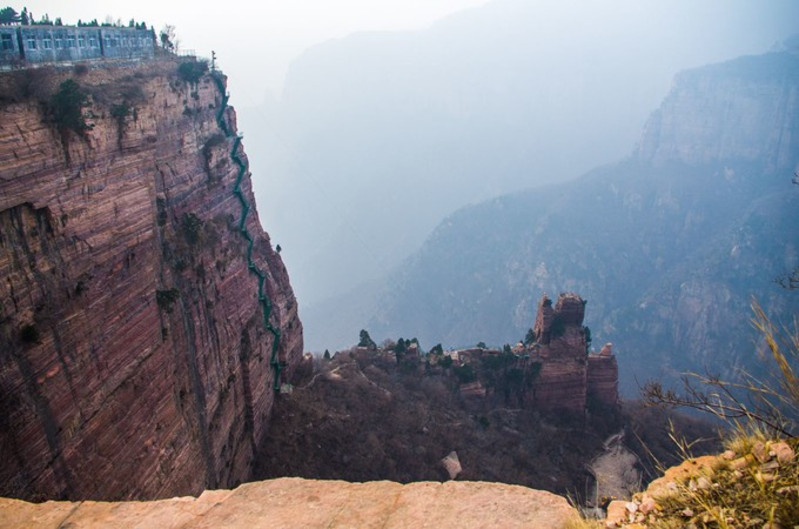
point(668, 246)
point(378, 136)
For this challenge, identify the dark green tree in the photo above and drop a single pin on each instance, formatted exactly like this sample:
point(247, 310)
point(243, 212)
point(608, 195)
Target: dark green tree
point(66, 108)
point(167, 37)
point(366, 340)
point(587, 339)
point(481, 345)
point(192, 71)
point(529, 338)
point(24, 18)
point(8, 16)
point(326, 355)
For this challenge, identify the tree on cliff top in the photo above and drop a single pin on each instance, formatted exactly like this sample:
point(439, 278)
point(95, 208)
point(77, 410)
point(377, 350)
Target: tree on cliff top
point(169, 41)
point(8, 16)
point(366, 340)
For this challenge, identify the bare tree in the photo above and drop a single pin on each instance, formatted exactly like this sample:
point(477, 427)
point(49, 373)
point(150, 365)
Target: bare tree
point(169, 40)
point(772, 403)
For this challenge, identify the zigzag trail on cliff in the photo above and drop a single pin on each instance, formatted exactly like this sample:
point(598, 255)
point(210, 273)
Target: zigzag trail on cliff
point(263, 300)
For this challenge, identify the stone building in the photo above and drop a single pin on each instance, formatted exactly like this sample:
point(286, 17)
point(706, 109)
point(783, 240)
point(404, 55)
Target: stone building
point(38, 44)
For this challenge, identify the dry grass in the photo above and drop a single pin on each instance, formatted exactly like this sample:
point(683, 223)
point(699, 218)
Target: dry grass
point(758, 485)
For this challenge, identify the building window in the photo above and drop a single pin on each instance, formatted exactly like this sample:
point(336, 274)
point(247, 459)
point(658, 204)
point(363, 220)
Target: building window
point(70, 41)
point(31, 43)
point(81, 41)
point(47, 43)
point(8, 44)
point(92, 42)
point(58, 43)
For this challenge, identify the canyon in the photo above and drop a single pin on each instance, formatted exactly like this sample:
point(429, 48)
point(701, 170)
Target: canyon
point(669, 245)
point(145, 316)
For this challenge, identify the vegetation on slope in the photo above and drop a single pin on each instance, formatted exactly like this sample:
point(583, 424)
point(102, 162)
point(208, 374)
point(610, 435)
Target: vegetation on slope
point(359, 418)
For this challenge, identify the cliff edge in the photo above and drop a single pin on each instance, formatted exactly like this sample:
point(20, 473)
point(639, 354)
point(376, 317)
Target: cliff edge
point(145, 317)
point(299, 503)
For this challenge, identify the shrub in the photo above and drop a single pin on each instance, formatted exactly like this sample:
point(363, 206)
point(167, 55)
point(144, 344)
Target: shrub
point(165, 298)
point(366, 340)
point(120, 112)
point(192, 228)
point(66, 108)
point(191, 71)
point(465, 374)
point(529, 338)
point(29, 334)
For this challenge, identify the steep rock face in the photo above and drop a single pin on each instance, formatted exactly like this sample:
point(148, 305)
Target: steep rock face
point(568, 374)
point(602, 380)
point(134, 360)
point(746, 109)
point(300, 503)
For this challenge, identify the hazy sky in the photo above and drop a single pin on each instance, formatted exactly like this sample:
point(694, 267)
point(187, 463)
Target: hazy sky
point(256, 41)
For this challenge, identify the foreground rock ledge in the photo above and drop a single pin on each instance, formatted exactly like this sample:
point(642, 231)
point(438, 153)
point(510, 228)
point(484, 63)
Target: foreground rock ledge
point(296, 503)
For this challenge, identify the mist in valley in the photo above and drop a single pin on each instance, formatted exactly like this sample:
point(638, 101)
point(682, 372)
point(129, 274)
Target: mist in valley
point(379, 136)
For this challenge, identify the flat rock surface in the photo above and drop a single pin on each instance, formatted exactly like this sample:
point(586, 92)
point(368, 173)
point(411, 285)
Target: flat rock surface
point(297, 503)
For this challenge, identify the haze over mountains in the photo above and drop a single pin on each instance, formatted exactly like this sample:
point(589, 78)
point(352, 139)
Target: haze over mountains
point(379, 136)
point(668, 245)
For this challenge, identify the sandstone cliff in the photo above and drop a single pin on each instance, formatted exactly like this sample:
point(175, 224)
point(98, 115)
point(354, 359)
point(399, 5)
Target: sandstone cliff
point(137, 358)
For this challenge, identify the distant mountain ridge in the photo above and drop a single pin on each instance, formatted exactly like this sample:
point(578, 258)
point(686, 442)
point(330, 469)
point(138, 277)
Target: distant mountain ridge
point(378, 136)
point(668, 246)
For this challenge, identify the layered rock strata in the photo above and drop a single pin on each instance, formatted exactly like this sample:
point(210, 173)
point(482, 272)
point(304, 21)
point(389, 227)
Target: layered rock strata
point(299, 503)
point(134, 359)
point(569, 376)
point(554, 372)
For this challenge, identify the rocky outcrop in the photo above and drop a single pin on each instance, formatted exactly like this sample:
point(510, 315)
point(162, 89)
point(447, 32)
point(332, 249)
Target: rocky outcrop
point(554, 372)
point(134, 350)
point(602, 378)
point(568, 375)
point(299, 503)
point(756, 484)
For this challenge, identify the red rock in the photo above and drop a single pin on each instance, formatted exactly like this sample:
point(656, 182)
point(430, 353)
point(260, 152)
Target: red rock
point(135, 358)
point(568, 375)
point(603, 378)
